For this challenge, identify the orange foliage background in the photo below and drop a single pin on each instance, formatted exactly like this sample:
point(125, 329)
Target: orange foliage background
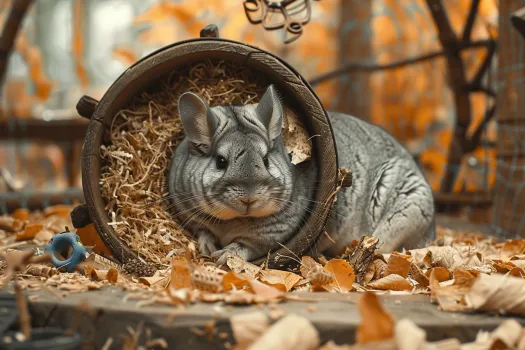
point(412, 102)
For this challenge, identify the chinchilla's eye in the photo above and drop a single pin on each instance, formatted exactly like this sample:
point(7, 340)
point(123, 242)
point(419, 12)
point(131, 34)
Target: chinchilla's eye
point(221, 162)
point(266, 162)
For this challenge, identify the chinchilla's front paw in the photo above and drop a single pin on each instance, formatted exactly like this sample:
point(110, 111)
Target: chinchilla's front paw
point(232, 248)
point(207, 243)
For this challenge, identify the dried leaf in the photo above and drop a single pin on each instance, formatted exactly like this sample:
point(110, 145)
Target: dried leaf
point(409, 336)
point(343, 273)
point(450, 298)
point(446, 256)
point(418, 275)
point(506, 336)
point(43, 236)
point(391, 282)
point(319, 277)
point(248, 327)
point(397, 265)
point(289, 333)
point(239, 265)
point(20, 214)
point(462, 276)
point(307, 264)
point(58, 210)
point(180, 274)
point(503, 266)
point(376, 324)
point(499, 293)
point(517, 272)
point(512, 247)
point(282, 280)
point(231, 280)
point(29, 232)
point(441, 274)
point(10, 224)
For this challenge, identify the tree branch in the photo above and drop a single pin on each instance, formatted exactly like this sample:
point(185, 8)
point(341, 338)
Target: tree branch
point(474, 141)
point(467, 30)
point(368, 67)
point(457, 82)
point(9, 32)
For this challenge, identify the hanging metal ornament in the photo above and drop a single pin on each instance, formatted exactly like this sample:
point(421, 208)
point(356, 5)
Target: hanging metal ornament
point(291, 15)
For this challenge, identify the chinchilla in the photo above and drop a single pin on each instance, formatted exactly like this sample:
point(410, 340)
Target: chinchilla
point(235, 188)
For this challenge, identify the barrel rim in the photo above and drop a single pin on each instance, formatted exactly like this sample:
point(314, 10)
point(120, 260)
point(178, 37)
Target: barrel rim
point(139, 70)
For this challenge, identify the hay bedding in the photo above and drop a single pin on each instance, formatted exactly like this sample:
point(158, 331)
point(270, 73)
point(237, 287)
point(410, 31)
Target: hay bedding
point(142, 142)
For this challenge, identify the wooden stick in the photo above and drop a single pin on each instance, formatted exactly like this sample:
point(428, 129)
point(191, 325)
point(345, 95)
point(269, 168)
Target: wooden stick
point(10, 31)
point(24, 317)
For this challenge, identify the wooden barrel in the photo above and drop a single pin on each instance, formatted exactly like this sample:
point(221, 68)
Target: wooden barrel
point(168, 59)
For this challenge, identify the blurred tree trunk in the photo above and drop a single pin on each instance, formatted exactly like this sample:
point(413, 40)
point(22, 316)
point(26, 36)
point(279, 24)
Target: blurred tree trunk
point(355, 40)
point(509, 190)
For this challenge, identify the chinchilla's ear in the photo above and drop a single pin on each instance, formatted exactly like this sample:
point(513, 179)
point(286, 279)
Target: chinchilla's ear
point(270, 112)
point(198, 121)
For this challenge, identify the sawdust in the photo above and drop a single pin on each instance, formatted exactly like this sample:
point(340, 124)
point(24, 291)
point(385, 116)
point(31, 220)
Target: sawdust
point(142, 142)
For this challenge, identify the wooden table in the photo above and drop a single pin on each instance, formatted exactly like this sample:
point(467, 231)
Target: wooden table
point(336, 317)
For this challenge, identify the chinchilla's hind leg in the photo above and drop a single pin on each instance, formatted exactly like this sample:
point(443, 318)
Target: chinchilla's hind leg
point(402, 207)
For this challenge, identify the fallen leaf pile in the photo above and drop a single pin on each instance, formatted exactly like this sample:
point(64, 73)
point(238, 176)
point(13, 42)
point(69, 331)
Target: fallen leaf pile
point(37, 227)
point(461, 272)
point(377, 330)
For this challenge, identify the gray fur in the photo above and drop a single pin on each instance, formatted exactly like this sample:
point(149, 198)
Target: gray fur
point(250, 207)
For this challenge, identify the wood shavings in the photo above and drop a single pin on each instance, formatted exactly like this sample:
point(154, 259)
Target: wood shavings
point(40, 270)
point(142, 141)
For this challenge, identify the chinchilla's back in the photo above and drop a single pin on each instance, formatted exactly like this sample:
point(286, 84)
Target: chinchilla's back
point(389, 197)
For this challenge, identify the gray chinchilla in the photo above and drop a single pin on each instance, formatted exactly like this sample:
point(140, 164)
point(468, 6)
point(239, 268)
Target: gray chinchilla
point(235, 188)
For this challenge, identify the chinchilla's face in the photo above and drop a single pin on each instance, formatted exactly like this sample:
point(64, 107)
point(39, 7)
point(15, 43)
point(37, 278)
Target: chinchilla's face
point(238, 161)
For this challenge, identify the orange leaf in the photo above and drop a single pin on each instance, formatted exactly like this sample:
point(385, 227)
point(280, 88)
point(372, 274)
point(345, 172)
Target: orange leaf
point(20, 214)
point(418, 275)
point(180, 274)
point(398, 265)
point(232, 280)
point(376, 324)
point(517, 272)
point(513, 247)
point(391, 282)
point(58, 210)
point(441, 274)
point(282, 280)
point(344, 275)
point(30, 231)
point(462, 276)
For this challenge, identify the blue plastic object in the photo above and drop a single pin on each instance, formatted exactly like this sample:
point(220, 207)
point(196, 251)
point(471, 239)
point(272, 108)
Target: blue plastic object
point(62, 241)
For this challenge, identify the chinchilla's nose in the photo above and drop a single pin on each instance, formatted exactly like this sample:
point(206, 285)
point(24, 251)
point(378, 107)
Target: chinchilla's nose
point(248, 200)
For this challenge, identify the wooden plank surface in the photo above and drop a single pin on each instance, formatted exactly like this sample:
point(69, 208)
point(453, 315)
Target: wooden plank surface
point(336, 317)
